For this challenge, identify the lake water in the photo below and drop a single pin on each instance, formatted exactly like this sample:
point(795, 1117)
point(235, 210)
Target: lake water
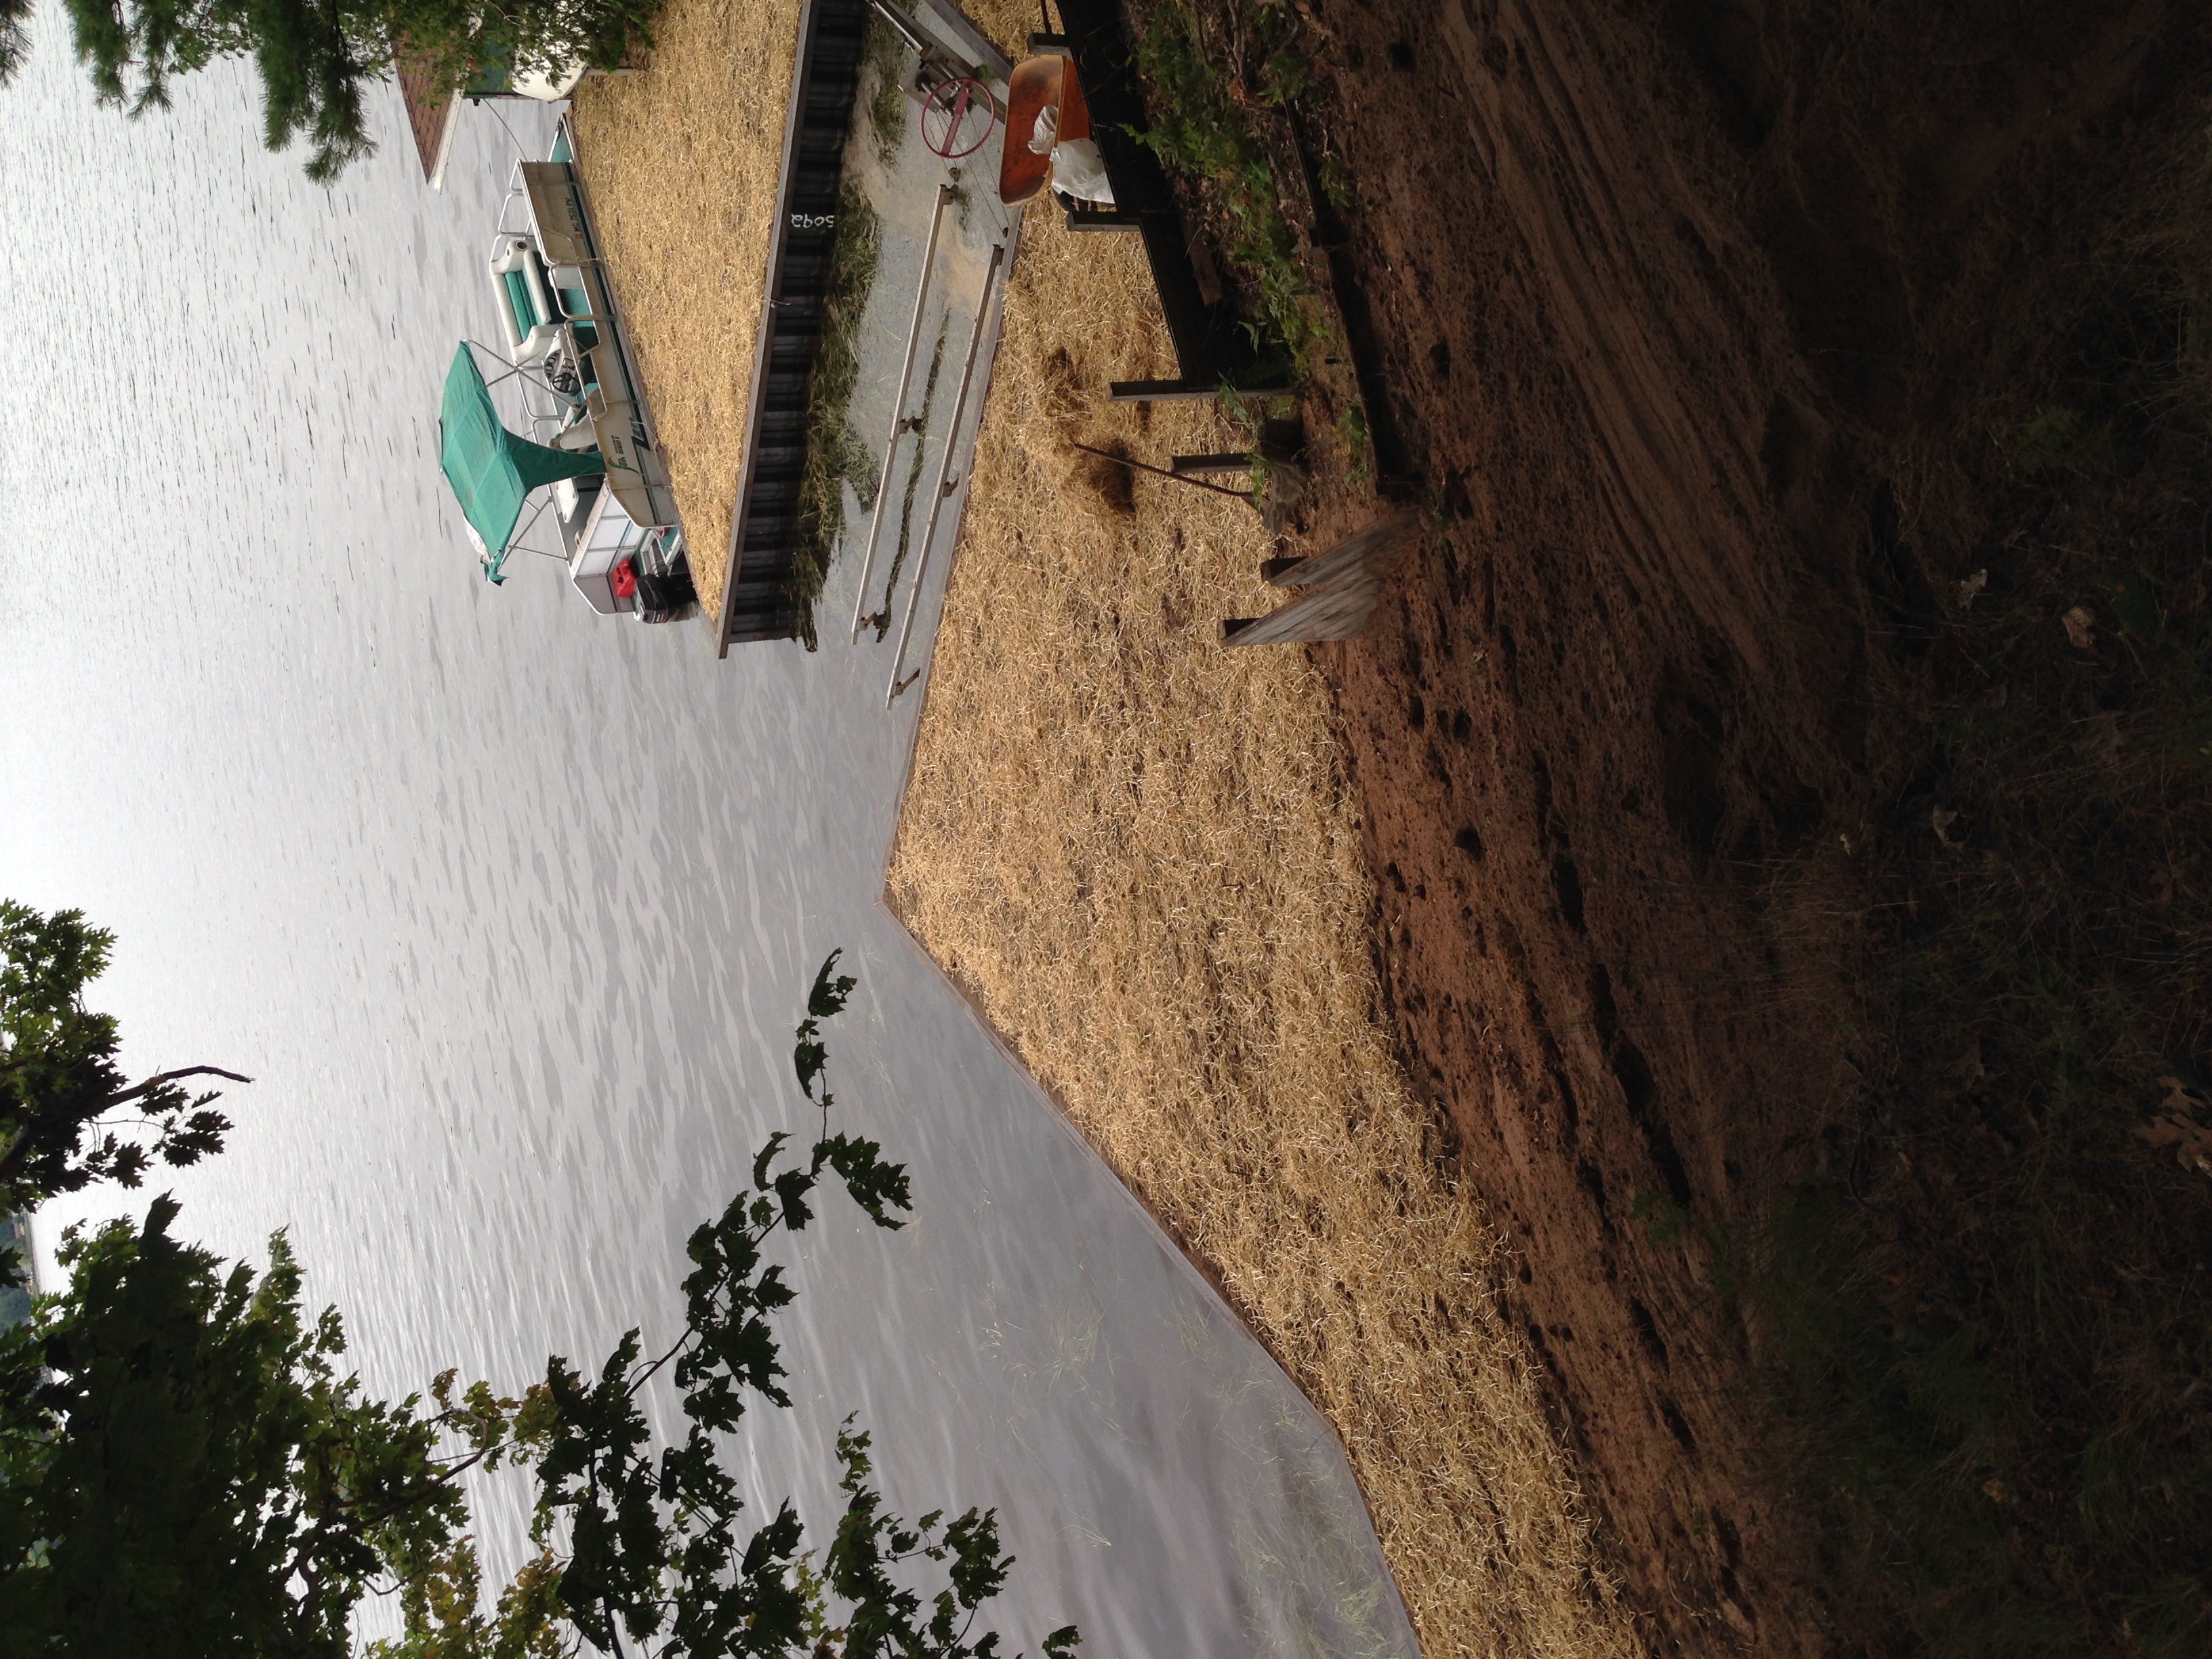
point(510, 909)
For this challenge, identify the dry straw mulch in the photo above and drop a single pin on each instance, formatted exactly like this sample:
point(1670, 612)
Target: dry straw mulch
point(1137, 848)
point(1139, 852)
point(681, 162)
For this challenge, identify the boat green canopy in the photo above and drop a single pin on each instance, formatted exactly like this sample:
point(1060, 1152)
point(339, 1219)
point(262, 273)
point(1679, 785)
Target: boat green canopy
point(490, 469)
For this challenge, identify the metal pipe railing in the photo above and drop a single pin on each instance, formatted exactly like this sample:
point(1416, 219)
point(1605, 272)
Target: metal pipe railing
point(903, 25)
point(944, 483)
point(898, 417)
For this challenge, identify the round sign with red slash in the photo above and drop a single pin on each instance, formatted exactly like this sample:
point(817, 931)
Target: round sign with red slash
point(957, 116)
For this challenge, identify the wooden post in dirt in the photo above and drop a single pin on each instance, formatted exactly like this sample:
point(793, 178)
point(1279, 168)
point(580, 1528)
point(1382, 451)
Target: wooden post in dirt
point(1342, 587)
point(1162, 392)
point(1103, 220)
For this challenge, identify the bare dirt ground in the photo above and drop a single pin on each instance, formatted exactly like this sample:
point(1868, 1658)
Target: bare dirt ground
point(1663, 301)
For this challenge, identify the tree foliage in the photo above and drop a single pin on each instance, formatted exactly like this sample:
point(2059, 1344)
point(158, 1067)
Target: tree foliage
point(67, 1116)
point(183, 1470)
point(318, 58)
point(185, 1473)
point(15, 37)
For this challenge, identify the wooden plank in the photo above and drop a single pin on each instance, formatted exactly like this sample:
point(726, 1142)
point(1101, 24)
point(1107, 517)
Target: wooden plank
point(1161, 392)
point(1237, 461)
point(1339, 612)
point(1343, 586)
point(829, 32)
point(1380, 544)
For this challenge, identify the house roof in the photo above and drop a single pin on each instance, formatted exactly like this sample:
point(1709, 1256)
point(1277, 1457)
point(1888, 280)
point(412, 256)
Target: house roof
point(429, 104)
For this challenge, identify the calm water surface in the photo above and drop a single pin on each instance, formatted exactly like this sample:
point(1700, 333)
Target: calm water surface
point(510, 909)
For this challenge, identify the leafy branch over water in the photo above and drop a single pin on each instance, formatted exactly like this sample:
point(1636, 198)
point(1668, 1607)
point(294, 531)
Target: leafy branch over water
point(654, 1544)
point(318, 58)
point(183, 1471)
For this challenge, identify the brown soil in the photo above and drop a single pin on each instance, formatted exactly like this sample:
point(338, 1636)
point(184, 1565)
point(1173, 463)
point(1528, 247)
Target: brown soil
point(1661, 300)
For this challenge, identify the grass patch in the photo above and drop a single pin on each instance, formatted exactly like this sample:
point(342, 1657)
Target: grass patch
point(1352, 428)
point(683, 161)
point(882, 619)
point(885, 56)
point(835, 452)
point(1992, 1326)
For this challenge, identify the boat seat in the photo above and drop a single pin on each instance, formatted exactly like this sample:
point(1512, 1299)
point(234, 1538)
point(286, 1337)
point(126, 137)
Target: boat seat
point(527, 316)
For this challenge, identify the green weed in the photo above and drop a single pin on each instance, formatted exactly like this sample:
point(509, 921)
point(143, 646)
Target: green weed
point(884, 54)
point(1668, 1223)
point(1336, 179)
point(1250, 411)
point(1200, 128)
point(1352, 427)
point(2062, 439)
point(882, 619)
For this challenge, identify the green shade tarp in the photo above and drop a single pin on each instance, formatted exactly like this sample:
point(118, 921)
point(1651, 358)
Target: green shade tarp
point(491, 469)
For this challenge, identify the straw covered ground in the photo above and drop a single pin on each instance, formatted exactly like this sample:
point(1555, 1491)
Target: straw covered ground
point(680, 161)
point(1139, 853)
point(1109, 813)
